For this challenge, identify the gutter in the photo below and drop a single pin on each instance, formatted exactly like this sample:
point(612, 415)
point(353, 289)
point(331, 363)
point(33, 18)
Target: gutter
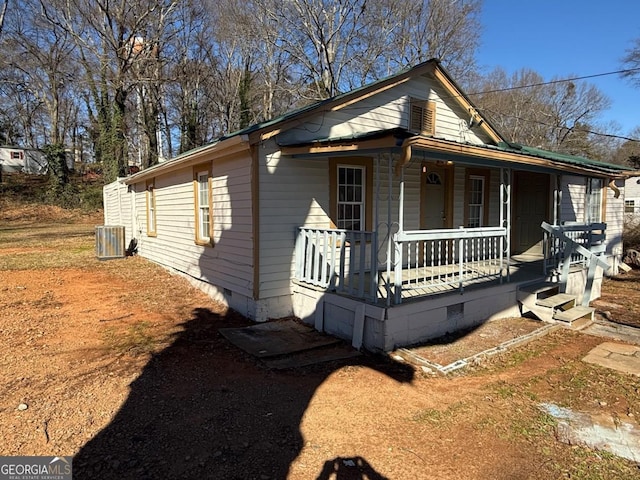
point(226, 147)
point(429, 143)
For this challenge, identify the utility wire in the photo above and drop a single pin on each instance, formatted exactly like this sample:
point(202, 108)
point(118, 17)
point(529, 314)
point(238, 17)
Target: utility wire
point(552, 82)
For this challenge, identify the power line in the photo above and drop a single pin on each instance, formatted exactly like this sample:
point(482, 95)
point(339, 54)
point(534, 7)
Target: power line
point(552, 82)
point(583, 130)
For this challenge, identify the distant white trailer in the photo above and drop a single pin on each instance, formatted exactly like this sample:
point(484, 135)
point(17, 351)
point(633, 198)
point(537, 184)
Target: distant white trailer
point(24, 160)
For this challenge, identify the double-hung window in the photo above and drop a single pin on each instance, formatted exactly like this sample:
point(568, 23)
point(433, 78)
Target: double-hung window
point(629, 206)
point(151, 209)
point(203, 205)
point(351, 193)
point(593, 207)
point(351, 197)
point(476, 198)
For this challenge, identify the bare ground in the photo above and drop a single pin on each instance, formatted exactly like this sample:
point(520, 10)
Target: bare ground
point(121, 365)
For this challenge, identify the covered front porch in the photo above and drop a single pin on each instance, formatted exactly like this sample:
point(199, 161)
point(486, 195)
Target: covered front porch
point(452, 239)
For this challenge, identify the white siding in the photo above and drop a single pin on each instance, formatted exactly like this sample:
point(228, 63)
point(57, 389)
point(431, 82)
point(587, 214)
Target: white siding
point(229, 263)
point(614, 217)
point(573, 198)
point(118, 208)
point(387, 110)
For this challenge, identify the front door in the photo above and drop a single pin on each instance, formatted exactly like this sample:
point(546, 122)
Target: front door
point(434, 196)
point(531, 208)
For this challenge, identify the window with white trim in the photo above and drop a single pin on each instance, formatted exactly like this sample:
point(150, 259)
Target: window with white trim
point(475, 213)
point(629, 206)
point(151, 210)
point(593, 207)
point(203, 204)
point(351, 197)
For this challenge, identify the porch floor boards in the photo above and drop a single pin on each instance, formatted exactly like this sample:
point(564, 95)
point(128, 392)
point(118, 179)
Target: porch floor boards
point(433, 280)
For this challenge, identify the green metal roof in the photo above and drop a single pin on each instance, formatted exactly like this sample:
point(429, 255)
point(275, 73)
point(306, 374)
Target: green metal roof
point(563, 158)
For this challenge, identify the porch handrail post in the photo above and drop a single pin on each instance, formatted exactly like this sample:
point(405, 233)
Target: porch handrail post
point(398, 270)
point(373, 286)
point(401, 203)
point(502, 219)
point(461, 259)
point(298, 265)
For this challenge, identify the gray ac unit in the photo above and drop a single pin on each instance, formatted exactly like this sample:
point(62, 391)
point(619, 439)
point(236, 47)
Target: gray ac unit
point(110, 242)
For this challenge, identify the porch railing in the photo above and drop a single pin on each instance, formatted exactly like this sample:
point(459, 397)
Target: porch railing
point(344, 261)
point(567, 245)
point(428, 260)
point(559, 239)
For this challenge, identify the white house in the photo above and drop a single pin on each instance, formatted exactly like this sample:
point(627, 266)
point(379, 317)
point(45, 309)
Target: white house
point(632, 198)
point(388, 215)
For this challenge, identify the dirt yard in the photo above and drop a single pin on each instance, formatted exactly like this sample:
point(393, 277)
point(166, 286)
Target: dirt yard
point(121, 364)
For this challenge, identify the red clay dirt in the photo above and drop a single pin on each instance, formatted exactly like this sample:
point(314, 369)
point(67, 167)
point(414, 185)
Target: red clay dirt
point(121, 365)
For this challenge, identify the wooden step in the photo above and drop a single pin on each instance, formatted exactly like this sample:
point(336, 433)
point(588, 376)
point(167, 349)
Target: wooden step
point(576, 317)
point(541, 290)
point(558, 300)
point(574, 314)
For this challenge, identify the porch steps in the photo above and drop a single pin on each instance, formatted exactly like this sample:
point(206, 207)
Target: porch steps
point(546, 303)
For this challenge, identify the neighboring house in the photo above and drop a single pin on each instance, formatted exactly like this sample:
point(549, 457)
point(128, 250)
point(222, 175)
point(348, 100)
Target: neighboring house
point(632, 198)
point(387, 215)
point(23, 160)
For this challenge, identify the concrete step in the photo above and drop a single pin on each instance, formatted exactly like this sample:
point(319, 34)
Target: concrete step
point(562, 301)
point(541, 290)
point(576, 317)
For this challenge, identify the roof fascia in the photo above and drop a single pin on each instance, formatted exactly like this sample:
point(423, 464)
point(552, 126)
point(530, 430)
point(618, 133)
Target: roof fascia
point(457, 94)
point(389, 141)
point(480, 152)
point(224, 148)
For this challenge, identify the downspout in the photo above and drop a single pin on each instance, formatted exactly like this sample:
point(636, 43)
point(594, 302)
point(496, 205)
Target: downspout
point(616, 190)
point(405, 156)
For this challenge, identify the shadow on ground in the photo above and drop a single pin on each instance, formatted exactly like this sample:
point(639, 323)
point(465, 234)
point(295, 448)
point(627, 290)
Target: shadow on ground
point(202, 408)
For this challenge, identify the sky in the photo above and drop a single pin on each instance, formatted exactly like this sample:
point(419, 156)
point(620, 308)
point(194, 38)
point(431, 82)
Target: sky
point(566, 38)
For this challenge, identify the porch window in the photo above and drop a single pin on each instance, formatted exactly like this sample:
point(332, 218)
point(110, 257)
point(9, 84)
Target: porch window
point(151, 209)
point(351, 188)
point(203, 205)
point(593, 207)
point(629, 206)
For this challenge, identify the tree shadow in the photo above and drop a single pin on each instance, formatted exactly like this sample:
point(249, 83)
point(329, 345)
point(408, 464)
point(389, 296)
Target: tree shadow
point(202, 408)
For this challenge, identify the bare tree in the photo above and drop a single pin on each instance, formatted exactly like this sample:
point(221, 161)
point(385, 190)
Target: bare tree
point(3, 11)
point(115, 42)
point(556, 115)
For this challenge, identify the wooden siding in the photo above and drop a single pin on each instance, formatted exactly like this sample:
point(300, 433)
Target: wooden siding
point(229, 263)
point(118, 208)
point(614, 218)
point(573, 198)
point(386, 110)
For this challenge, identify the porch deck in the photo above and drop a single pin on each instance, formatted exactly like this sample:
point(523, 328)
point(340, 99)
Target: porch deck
point(421, 282)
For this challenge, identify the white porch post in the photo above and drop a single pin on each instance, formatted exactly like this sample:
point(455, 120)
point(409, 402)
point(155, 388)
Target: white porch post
point(398, 250)
point(557, 200)
point(505, 219)
point(389, 236)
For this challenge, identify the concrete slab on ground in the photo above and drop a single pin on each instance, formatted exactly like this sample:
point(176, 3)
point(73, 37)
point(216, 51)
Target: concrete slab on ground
point(275, 338)
point(616, 331)
point(617, 356)
point(599, 431)
point(312, 357)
